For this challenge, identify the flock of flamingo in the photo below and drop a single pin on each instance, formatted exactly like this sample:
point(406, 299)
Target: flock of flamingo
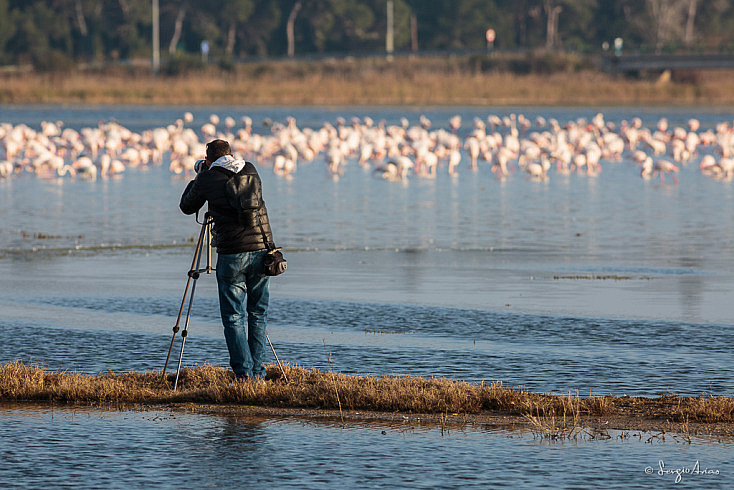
point(397, 152)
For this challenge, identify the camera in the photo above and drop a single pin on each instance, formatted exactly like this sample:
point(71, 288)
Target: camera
point(274, 263)
point(201, 165)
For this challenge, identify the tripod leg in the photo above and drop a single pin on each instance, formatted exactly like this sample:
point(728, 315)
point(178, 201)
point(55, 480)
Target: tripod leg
point(180, 357)
point(209, 247)
point(276, 358)
point(192, 272)
point(184, 334)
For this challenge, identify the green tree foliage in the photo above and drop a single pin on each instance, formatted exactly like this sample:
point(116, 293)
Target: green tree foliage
point(55, 34)
point(7, 30)
point(447, 24)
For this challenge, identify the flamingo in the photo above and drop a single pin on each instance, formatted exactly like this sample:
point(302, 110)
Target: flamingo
point(6, 169)
point(455, 123)
point(538, 170)
point(84, 167)
point(335, 158)
point(454, 160)
point(501, 162)
point(661, 167)
point(472, 144)
point(708, 165)
point(579, 145)
point(283, 165)
point(426, 159)
point(389, 171)
point(665, 167)
point(726, 165)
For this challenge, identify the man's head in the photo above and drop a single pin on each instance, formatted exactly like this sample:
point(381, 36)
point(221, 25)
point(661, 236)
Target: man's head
point(216, 149)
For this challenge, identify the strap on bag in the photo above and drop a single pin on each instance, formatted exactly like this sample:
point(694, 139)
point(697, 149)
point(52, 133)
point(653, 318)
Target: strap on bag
point(269, 245)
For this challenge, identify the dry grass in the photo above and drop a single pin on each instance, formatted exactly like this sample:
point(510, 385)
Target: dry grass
point(363, 82)
point(557, 415)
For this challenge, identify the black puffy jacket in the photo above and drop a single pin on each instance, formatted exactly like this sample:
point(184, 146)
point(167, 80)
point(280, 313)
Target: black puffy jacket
point(234, 234)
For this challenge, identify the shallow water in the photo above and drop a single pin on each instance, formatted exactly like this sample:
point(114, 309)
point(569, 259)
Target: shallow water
point(123, 322)
point(82, 447)
point(597, 285)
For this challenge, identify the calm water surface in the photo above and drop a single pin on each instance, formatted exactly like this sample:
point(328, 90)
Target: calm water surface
point(602, 285)
point(82, 447)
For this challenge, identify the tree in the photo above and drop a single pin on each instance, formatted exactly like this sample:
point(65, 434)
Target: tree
point(261, 31)
point(666, 21)
point(616, 19)
point(576, 29)
point(690, 22)
point(177, 27)
point(7, 28)
point(461, 24)
point(233, 18)
point(290, 28)
point(58, 32)
point(718, 17)
point(552, 11)
point(39, 38)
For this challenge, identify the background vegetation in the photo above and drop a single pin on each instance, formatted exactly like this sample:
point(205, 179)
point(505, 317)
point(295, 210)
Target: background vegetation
point(54, 35)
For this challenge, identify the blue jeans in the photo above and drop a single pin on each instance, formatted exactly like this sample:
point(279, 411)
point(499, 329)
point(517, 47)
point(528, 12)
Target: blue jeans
point(239, 276)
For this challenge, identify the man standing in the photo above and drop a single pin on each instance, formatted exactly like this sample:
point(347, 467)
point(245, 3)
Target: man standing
point(242, 228)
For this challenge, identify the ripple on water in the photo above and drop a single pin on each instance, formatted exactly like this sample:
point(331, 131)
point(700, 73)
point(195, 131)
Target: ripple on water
point(538, 352)
point(162, 448)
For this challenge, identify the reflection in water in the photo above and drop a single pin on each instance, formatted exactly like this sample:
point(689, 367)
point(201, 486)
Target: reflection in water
point(691, 289)
point(221, 445)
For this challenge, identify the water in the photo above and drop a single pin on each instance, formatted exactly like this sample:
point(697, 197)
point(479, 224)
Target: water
point(597, 285)
point(165, 449)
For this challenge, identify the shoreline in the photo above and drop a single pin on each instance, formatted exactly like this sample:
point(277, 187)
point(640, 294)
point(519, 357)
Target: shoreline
point(585, 427)
point(310, 393)
point(487, 419)
point(405, 83)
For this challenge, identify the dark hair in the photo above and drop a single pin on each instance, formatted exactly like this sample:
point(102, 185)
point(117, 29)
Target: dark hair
point(216, 149)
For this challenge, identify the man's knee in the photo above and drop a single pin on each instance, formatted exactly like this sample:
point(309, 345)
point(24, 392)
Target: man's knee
point(232, 320)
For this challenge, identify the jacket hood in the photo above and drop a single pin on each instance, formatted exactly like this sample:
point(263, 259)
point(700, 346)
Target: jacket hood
point(230, 163)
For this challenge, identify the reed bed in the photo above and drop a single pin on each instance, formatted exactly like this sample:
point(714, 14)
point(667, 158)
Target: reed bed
point(311, 388)
point(403, 82)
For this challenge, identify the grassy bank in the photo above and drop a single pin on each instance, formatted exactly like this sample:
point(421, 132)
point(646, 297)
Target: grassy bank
point(424, 82)
point(313, 389)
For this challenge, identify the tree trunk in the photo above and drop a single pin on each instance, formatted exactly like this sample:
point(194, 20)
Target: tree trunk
point(551, 31)
point(290, 30)
point(125, 7)
point(556, 37)
point(231, 38)
point(668, 21)
point(690, 23)
point(177, 29)
point(413, 32)
point(548, 24)
point(81, 22)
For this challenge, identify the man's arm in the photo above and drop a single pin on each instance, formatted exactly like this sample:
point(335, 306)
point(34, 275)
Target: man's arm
point(192, 200)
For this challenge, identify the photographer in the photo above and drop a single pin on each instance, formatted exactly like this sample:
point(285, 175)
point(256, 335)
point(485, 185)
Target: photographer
point(242, 229)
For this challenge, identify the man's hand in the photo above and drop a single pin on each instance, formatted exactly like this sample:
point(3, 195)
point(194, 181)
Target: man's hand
point(201, 165)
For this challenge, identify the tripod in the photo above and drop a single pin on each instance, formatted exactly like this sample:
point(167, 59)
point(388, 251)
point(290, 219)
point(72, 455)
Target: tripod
point(205, 237)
